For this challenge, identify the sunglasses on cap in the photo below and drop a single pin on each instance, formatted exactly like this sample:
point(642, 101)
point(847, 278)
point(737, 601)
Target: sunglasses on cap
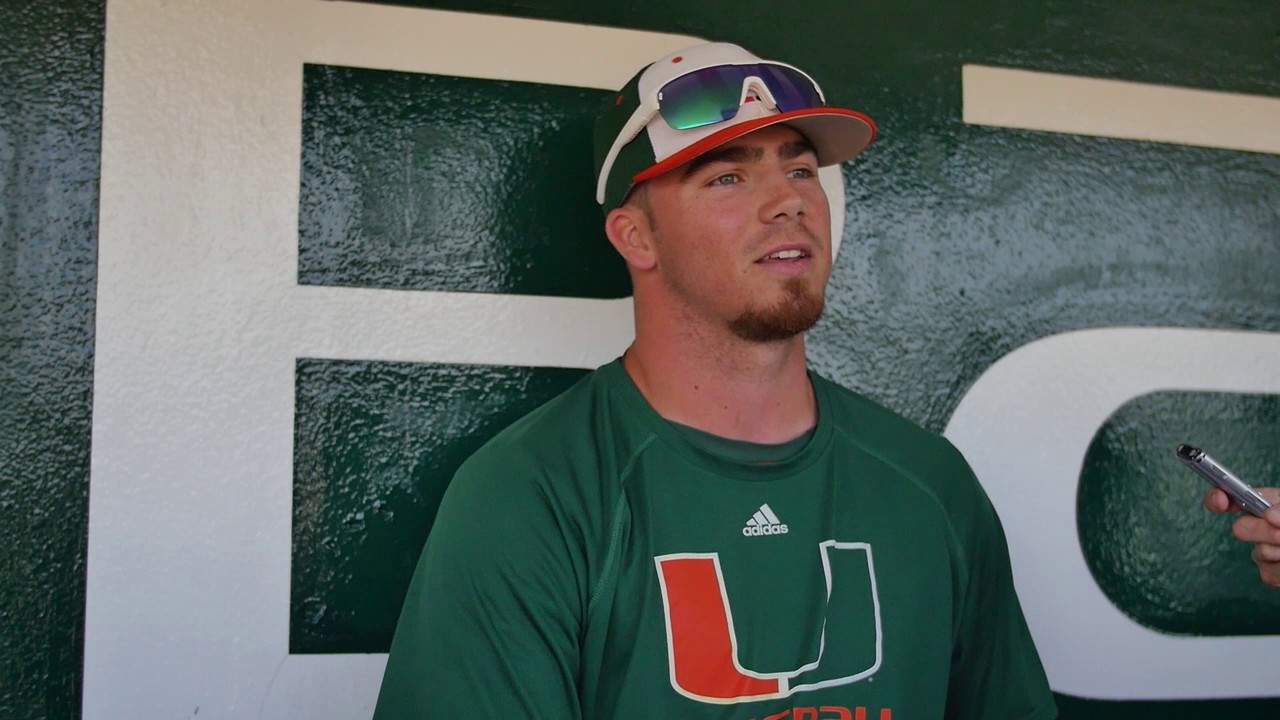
point(715, 94)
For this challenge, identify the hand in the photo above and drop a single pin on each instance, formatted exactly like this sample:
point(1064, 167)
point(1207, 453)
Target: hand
point(1263, 532)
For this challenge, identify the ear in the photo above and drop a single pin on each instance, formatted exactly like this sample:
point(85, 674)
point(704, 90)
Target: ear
point(631, 235)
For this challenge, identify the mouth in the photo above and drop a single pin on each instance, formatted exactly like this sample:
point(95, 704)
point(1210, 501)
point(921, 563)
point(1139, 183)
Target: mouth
point(786, 255)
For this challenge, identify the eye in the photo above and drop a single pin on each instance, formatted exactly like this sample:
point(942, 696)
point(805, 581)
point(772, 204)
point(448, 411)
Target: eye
point(803, 173)
point(726, 179)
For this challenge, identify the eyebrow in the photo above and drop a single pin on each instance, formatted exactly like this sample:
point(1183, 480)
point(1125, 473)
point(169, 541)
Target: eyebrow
point(746, 153)
point(735, 154)
point(793, 150)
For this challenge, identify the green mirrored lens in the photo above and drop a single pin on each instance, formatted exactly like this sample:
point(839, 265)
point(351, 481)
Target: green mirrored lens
point(703, 97)
point(711, 95)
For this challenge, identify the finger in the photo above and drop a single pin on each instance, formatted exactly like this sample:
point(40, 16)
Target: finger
point(1252, 529)
point(1270, 573)
point(1264, 553)
point(1273, 496)
point(1217, 501)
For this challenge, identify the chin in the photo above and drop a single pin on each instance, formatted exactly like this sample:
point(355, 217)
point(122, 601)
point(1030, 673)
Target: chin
point(798, 310)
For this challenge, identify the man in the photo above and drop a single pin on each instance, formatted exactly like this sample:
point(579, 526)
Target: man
point(703, 528)
point(1263, 532)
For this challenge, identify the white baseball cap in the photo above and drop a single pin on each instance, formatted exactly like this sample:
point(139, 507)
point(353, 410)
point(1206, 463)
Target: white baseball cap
point(691, 101)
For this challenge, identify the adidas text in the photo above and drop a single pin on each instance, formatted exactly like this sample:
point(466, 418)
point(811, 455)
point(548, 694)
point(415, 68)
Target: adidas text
point(779, 529)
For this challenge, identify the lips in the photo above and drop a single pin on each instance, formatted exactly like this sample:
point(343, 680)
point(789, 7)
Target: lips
point(790, 253)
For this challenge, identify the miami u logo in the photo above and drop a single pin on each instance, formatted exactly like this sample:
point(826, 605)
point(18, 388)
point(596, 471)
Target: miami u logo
point(702, 645)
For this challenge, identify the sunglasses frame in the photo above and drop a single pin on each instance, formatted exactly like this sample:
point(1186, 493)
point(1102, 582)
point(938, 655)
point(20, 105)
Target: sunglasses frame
point(649, 108)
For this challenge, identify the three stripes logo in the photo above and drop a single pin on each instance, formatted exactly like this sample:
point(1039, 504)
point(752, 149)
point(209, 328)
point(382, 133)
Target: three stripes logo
point(764, 522)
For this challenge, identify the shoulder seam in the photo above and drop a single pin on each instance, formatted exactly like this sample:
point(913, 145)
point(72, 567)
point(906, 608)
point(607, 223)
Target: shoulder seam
point(615, 527)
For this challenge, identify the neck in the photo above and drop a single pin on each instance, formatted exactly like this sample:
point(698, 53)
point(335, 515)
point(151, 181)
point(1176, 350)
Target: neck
point(742, 390)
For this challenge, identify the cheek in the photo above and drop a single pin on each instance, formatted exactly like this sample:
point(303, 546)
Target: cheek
point(713, 232)
point(726, 229)
point(818, 205)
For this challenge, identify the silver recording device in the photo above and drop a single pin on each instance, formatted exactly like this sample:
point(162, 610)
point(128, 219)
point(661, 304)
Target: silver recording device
point(1235, 488)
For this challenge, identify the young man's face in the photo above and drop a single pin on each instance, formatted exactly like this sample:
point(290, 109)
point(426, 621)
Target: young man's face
point(743, 235)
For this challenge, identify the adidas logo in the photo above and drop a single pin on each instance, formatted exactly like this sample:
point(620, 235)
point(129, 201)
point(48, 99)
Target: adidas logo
point(764, 522)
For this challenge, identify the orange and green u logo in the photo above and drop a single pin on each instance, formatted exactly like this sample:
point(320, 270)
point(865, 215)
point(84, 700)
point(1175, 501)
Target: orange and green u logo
point(702, 646)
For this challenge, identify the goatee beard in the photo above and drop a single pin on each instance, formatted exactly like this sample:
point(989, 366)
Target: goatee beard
point(798, 311)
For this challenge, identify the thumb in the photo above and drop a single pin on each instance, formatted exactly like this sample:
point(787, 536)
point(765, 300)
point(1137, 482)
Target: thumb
point(1273, 496)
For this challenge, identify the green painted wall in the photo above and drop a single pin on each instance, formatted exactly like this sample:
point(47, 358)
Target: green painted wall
point(962, 243)
point(374, 448)
point(50, 107)
point(968, 242)
point(397, 194)
point(1172, 570)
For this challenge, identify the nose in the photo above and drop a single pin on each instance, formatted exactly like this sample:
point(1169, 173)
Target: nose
point(782, 199)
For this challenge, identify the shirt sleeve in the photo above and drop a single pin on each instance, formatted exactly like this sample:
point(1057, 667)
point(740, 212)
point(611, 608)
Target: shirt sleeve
point(996, 672)
point(490, 627)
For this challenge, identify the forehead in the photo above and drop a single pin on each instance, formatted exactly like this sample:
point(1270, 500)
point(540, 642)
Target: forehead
point(770, 137)
point(770, 142)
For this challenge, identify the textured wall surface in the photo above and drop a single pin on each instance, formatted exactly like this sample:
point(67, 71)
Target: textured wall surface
point(962, 243)
point(50, 103)
point(1171, 570)
point(375, 446)
point(471, 203)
